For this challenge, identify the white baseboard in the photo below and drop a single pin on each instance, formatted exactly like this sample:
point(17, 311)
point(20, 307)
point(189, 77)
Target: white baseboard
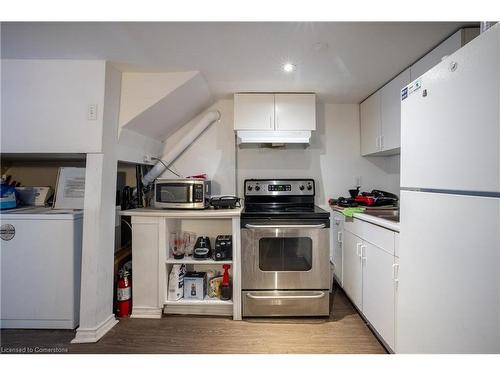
point(146, 312)
point(224, 310)
point(88, 335)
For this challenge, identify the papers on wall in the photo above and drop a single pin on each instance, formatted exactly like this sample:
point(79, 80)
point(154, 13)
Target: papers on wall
point(70, 189)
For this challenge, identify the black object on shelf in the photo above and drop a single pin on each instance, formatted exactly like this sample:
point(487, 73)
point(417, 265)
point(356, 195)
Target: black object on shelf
point(223, 247)
point(202, 248)
point(225, 201)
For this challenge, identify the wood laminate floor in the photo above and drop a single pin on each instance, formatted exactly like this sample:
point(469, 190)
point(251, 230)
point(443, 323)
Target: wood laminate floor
point(343, 332)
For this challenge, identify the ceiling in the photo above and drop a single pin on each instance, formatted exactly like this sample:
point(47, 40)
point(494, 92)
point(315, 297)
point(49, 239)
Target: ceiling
point(343, 62)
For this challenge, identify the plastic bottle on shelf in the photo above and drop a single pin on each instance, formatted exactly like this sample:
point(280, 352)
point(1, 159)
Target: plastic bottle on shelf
point(226, 288)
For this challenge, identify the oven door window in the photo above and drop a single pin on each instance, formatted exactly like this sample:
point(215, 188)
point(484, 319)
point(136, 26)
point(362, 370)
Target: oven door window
point(174, 193)
point(285, 254)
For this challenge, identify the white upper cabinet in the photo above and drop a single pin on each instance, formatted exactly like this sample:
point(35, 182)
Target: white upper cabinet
point(380, 114)
point(390, 102)
point(370, 118)
point(295, 111)
point(380, 117)
point(275, 117)
point(254, 111)
point(446, 48)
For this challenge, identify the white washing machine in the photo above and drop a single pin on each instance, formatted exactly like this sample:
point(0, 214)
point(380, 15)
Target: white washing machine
point(40, 261)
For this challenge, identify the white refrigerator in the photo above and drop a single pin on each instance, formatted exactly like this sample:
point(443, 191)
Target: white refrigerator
point(448, 294)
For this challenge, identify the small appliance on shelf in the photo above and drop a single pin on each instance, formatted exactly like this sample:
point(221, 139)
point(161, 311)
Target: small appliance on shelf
point(225, 201)
point(223, 247)
point(202, 248)
point(183, 193)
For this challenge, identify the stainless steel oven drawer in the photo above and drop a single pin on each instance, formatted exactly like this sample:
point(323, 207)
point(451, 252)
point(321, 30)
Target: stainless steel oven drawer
point(286, 303)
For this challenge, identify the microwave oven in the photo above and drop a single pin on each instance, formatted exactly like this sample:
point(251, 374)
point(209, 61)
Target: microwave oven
point(190, 193)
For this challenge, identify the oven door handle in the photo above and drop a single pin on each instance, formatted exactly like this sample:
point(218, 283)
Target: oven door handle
point(306, 296)
point(313, 226)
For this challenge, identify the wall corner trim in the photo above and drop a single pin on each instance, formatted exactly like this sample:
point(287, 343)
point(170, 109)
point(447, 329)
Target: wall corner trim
point(89, 335)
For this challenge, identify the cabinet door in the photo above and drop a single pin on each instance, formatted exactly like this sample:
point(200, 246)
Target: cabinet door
point(337, 223)
point(370, 124)
point(352, 270)
point(295, 111)
point(378, 290)
point(253, 111)
point(391, 111)
point(434, 57)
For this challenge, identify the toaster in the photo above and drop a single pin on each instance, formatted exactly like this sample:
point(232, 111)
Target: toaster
point(223, 247)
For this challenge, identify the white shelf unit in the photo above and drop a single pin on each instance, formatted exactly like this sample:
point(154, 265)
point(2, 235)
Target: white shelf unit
point(197, 302)
point(212, 227)
point(202, 227)
point(152, 260)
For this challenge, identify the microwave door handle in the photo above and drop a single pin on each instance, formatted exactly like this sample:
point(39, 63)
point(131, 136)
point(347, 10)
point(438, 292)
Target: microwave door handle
point(313, 226)
point(190, 195)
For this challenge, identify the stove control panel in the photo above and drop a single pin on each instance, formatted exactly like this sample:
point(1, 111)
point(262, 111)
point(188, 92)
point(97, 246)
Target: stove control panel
point(279, 187)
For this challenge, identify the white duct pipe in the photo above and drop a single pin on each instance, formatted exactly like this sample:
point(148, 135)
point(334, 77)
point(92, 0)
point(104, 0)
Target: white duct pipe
point(208, 119)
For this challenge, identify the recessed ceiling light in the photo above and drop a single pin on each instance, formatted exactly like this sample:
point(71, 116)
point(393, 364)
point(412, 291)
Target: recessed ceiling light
point(288, 67)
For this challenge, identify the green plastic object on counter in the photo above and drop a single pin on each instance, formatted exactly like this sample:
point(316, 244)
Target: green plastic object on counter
point(349, 211)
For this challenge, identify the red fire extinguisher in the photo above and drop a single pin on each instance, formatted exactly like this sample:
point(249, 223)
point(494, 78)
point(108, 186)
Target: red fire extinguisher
point(124, 295)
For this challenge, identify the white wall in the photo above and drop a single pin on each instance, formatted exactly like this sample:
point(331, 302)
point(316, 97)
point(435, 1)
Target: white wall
point(45, 103)
point(332, 159)
point(212, 153)
point(141, 90)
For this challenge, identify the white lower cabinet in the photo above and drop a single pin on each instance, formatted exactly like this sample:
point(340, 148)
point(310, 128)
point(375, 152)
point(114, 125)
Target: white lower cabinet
point(378, 290)
point(352, 272)
point(370, 280)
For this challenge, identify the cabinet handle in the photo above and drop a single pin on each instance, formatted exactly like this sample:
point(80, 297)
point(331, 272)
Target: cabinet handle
point(358, 250)
point(339, 237)
point(363, 253)
point(395, 272)
point(381, 142)
point(377, 143)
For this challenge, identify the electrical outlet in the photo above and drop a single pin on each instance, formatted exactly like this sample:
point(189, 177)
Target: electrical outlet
point(357, 180)
point(92, 112)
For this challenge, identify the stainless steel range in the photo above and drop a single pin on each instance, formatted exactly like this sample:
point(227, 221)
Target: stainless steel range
point(285, 249)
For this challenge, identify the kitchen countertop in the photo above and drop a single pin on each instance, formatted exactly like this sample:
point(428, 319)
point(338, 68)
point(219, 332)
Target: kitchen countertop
point(391, 225)
point(200, 214)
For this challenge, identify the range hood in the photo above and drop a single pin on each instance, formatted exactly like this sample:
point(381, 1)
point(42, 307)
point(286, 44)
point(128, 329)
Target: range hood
point(274, 136)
